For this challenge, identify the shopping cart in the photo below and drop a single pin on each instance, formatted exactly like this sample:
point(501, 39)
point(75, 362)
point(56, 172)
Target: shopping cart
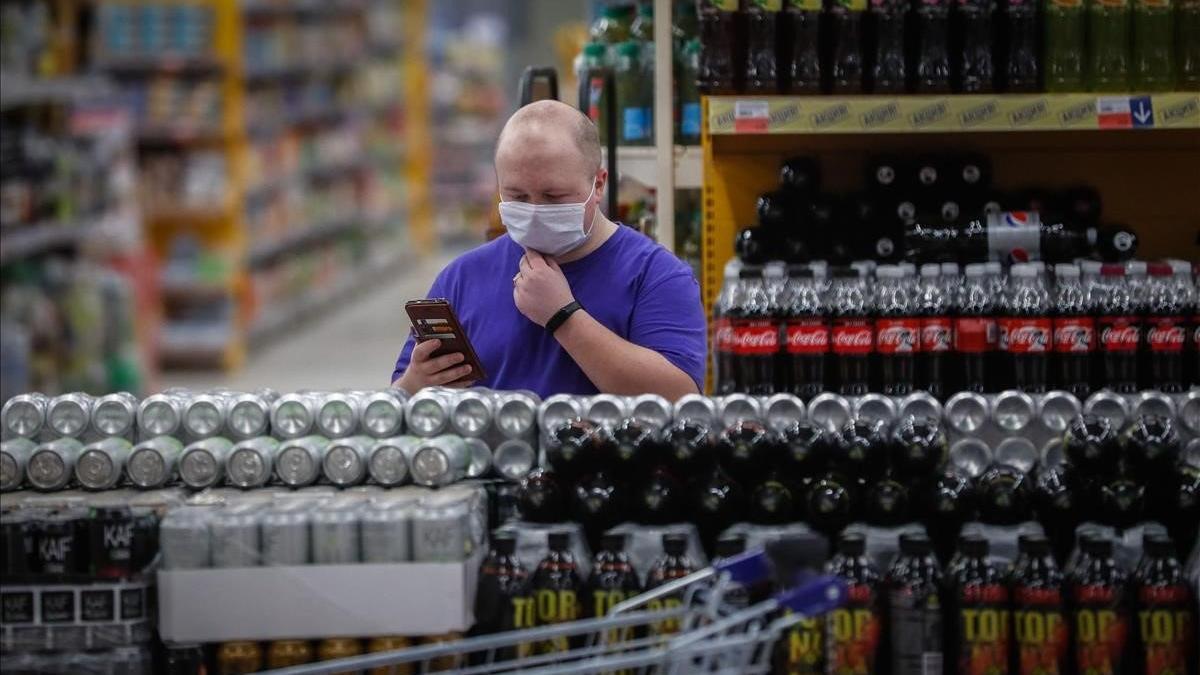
point(717, 631)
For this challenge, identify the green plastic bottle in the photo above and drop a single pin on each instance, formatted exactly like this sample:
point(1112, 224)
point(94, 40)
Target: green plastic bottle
point(1063, 37)
point(643, 33)
point(1154, 45)
point(687, 131)
point(1187, 41)
point(610, 29)
point(595, 55)
point(634, 128)
point(1110, 24)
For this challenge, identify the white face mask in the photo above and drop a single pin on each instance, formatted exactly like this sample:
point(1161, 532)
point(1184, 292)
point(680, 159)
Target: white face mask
point(553, 229)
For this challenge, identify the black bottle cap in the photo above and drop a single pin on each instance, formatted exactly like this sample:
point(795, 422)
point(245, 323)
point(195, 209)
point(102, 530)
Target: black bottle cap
point(852, 544)
point(973, 545)
point(613, 542)
point(799, 271)
point(504, 543)
point(1100, 547)
point(1033, 544)
point(559, 541)
point(915, 544)
point(730, 545)
point(675, 544)
point(750, 272)
point(1158, 545)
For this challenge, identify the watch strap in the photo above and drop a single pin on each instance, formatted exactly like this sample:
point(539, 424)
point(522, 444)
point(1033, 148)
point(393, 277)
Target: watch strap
point(560, 317)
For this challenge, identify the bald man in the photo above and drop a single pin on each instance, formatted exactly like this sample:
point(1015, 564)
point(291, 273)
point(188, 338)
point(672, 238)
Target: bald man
point(567, 301)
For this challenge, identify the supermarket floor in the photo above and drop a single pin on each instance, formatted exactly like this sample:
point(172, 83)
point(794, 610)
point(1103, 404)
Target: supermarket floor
point(353, 346)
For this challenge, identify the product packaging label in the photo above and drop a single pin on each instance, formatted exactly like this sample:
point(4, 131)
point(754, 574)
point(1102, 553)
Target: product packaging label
point(723, 5)
point(853, 336)
point(58, 607)
point(974, 335)
point(1067, 4)
point(807, 336)
point(1076, 334)
point(555, 606)
point(983, 629)
point(689, 121)
point(806, 5)
point(595, 98)
point(1026, 336)
point(755, 338)
point(897, 336)
point(524, 616)
point(937, 334)
point(805, 651)
point(1166, 628)
point(96, 605)
point(1040, 632)
point(853, 633)
point(1119, 334)
point(1101, 630)
point(852, 5)
point(1166, 334)
point(916, 622)
point(723, 335)
point(634, 124)
point(768, 5)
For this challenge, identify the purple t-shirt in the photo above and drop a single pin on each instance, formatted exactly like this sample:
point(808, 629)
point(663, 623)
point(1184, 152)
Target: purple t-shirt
point(631, 284)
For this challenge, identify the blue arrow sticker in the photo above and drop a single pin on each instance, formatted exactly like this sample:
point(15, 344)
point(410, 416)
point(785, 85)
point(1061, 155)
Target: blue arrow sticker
point(1142, 110)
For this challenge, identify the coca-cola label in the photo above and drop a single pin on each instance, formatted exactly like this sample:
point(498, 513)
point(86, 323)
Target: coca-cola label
point(1074, 335)
point(897, 336)
point(807, 336)
point(755, 338)
point(1026, 335)
point(723, 335)
point(974, 335)
point(937, 334)
point(1166, 334)
point(853, 336)
point(1119, 333)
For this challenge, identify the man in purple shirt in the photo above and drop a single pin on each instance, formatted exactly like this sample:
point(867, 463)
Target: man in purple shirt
point(567, 301)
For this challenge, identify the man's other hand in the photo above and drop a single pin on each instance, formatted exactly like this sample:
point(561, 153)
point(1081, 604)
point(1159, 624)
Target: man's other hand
point(424, 370)
point(540, 289)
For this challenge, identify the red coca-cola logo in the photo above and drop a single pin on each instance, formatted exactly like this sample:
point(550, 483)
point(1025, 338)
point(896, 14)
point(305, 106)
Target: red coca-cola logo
point(936, 335)
point(723, 335)
point(1074, 335)
point(1031, 336)
point(755, 338)
point(896, 336)
point(1166, 335)
point(807, 337)
point(1119, 335)
point(853, 338)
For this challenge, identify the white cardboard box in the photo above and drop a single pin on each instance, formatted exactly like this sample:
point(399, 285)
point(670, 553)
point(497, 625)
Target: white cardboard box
point(316, 601)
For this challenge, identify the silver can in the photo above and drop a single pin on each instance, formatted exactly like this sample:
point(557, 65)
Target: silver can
point(202, 464)
point(115, 414)
point(782, 411)
point(439, 461)
point(514, 459)
point(919, 405)
point(14, 457)
point(184, 538)
point(471, 414)
point(441, 532)
point(1153, 403)
point(1189, 411)
point(737, 407)
point(651, 409)
point(1191, 453)
point(383, 413)
point(388, 465)
point(204, 415)
point(1056, 409)
point(251, 462)
point(970, 457)
point(387, 533)
point(52, 464)
point(236, 536)
point(69, 415)
point(153, 463)
point(267, 394)
point(249, 416)
point(1110, 406)
point(829, 411)
point(1052, 455)
point(427, 413)
point(336, 536)
point(696, 408)
point(293, 415)
point(605, 409)
point(875, 409)
point(339, 414)
point(1017, 452)
point(101, 464)
point(516, 414)
point(298, 462)
point(558, 410)
point(345, 461)
point(285, 534)
point(1012, 411)
point(966, 412)
point(24, 415)
point(160, 415)
point(479, 455)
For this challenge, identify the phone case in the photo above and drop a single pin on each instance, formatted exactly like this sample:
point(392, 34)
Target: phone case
point(434, 318)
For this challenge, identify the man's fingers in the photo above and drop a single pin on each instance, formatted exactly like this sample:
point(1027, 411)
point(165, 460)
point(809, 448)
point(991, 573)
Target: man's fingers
point(462, 384)
point(524, 264)
point(450, 375)
point(443, 362)
point(535, 259)
point(422, 351)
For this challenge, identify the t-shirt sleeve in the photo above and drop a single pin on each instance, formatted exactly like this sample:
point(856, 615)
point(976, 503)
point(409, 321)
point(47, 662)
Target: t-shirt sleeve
point(439, 289)
point(669, 319)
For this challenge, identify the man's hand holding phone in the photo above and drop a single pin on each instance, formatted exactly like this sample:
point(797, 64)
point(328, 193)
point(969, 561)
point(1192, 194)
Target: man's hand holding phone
point(426, 370)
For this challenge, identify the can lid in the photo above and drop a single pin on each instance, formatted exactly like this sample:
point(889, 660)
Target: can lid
point(993, 267)
point(889, 272)
point(930, 270)
point(1024, 271)
point(949, 269)
point(852, 544)
point(1066, 271)
point(907, 269)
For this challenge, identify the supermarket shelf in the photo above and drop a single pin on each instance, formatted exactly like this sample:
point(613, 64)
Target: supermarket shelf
point(35, 239)
point(17, 89)
point(162, 64)
point(301, 7)
point(641, 164)
point(165, 135)
point(189, 215)
point(195, 291)
point(735, 115)
point(263, 254)
point(273, 74)
point(319, 172)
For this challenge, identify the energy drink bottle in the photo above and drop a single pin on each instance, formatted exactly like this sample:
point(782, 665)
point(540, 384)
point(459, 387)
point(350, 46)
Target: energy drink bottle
point(915, 608)
point(1165, 619)
point(612, 581)
point(674, 564)
point(555, 588)
point(1100, 616)
point(1040, 631)
point(803, 18)
point(502, 600)
point(854, 631)
point(977, 636)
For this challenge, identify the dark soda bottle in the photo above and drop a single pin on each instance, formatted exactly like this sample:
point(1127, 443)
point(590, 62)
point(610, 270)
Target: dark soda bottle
point(977, 603)
point(717, 502)
point(636, 446)
point(1004, 496)
point(854, 631)
point(915, 608)
point(1022, 64)
point(806, 333)
point(1165, 611)
point(571, 449)
point(918, 447)
point(975, 31)
point(932, 308)
point(806, 449)
point(542, 499)
point(888, 68)
point(1122, 501)
point(831, 503)
point(975, 335)
point(1183, 509)
point(886, 502)
point(897, 330)
point(1166, 331)
point(1151, 448)
point(721, 46)
point(804, 67)
point(859, 450)
point(1119, 329)
point(933, 51)
point(846, 45)
point(755, 336)
point(853, 335)
point(761, 17)
point(1026, 330)
point(1074, 333)
point(773, 501)
point(1061, 502)
point(1100, 612)
point(688, 447)
point(673, 564)
point(747, 449)
point(724, 356)
point(555, 587)
point(1041, 634)
point(947, 503)
point(612, 581)
point(659, 499)
point(502, 600)
point(1091, 446)
point(598, 504)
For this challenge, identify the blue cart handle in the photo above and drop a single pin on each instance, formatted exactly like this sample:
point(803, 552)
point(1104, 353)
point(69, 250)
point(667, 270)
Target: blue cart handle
point(814, 595)
point(746, 568)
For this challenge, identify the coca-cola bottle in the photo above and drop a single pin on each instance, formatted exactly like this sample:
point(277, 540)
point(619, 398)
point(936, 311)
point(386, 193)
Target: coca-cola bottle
point(1166, 331)
point(806, 449)
point(1026, 330)
point(773, 500)
point(578, 447)
point(1100, 611)
point(977, 635)
point(854, 631)
point(1004, 496)
point(1119, 329)
point(853, 335)
point(933, 52)
point(915, 608)
point(1165, 618)
point(918, 447)
point(659, 499)
point(1187, 287)
point(975, 336)
point(636, 446)
point(1041, 635)
point(1151, 448)
point(1074, 332)
point(724, 356)
point(888, 69)
point(897, 331)
point(755, 334)
point(831, 503)
point(688, 447)
point(747, 450)
point(846, 44)
point(806, 344)
point(947, 504)
point(932, 307)
point(859, 449)
point(886, 501)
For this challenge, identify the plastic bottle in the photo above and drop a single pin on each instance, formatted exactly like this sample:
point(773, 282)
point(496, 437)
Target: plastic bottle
point(937, 332)
point(978, 635)
point(762, 19)
point(610, 30)
point(1119, 330)
point(1166, 331)
point(1108, 38)
point(804, 67)
point(897, 331)
point(593, 56)
point(1187, 47)
point(642, 32)
point(1041, 632)
point(502, 601)
point(1022, 65)
point(555, 587)
point(1074, 333)
point(1154, 45)
point(1026, 331)
point(975, 31)
point(915, 608)
point(674, 564)
point(688, 97)
point(721, 45)
point(888, 69)
point(634, 127)
point(806, 334)
point(846, 63)
point(933, 51)
point(975, 336)
point(611, 582)
point(854, 630)
point(1100, 612)
point(724, 354)
point(1165, 618)
point(1064, 46)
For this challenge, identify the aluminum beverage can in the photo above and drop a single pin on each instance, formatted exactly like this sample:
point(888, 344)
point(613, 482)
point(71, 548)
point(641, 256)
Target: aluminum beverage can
point(239, 657)
point(383, 413)
point(606, 410)
point(1056, 409)
point(386, 533)
point(782, 411)
point(345, 461)
point(1012, 411)
point(336, 536)
point(115, 414)
point(249, 416)
point(298, 460)
point(101, 464)
point(202, 464)
point(236, 535)
point(970, 457)
point(440, 461)
point(919, 405)
point(204, 415)
point(1153, 403)
point(184, 538)
point(52, 464)
point(14, 457)
point(829, 411)
point(285, 533)
point(441, 532)
point(516, 414)
point(293, 415)
point(69, 415)
point(251, 462)
point(967, 412)
point(479, 458)
point(388, 644)
point(24, 415)
point(427, 413)
point(287, 653)
point(875, 409)
point(153, 463)
point(558, 410)
point(160, 415)
point(339, 414)
point(388, 465)
point(514, 459)
point(1189, 409)
point(472, 413)
point(651, 409)
point(737, 407)
point(1110, 406)
point(1017, 452)
point(338, 648)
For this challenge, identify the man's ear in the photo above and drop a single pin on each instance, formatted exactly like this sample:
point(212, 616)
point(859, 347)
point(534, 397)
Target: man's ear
point(601, 183)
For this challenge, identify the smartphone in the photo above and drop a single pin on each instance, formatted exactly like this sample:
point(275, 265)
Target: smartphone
point(434, 318)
